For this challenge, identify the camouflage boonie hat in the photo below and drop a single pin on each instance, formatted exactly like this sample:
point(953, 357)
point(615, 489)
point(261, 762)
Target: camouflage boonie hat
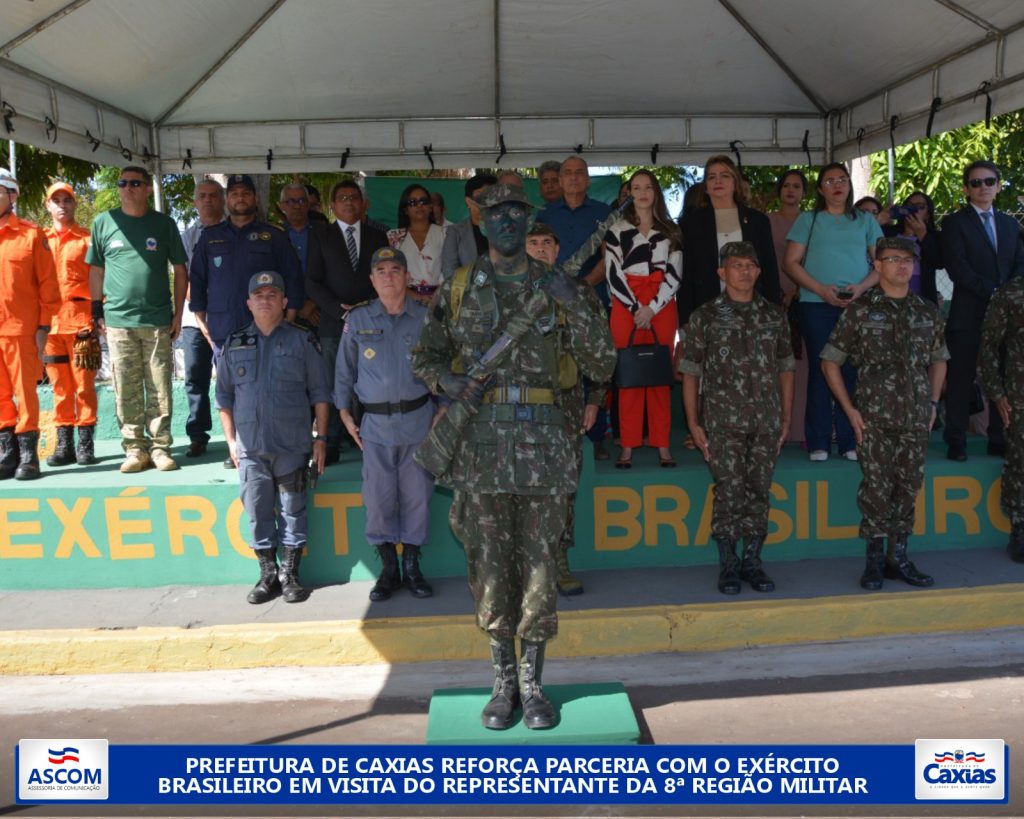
point(266, 278)
point(742, 250)
point(388, 254)
point(499, 194)
point(896, 243)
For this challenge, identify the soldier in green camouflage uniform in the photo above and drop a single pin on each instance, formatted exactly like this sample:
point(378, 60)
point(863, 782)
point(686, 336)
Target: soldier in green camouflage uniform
point(895, 339)
point(542, 244)
point(513, 465)
point(737, 347)
point(1004, 324)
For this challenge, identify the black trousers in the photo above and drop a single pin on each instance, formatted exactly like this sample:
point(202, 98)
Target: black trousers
point(963, 348)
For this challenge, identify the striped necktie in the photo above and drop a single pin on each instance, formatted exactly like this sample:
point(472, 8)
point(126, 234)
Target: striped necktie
point(353, 251)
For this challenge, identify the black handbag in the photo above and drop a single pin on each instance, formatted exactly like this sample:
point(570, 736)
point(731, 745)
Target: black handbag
point(644, 365)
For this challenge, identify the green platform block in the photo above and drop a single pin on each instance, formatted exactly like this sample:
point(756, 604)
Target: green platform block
point(590, 714)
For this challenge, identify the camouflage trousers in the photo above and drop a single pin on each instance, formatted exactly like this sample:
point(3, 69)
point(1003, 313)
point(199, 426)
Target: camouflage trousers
point(509, 559)
point(572, 407)
point(892, 461)
point(1013, 469)
point(140, 367)
point(742, 465)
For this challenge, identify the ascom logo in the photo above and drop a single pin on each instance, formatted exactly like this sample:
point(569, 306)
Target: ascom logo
point(62, 769)
point(960, 769)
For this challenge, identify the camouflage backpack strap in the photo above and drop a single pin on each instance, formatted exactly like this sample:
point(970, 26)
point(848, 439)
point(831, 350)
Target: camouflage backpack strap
point(460, 281)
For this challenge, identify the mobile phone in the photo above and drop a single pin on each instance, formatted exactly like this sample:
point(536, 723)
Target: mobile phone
point(845, 293)
point(902, 211)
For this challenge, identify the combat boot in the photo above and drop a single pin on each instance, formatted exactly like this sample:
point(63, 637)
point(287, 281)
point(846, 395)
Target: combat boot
point(414, 579)
point(899, 567)
point(28, 461)
point(729, 567)
point(1016, 545)
point(390, 577)
point(872, 578)
point(8, 453)
point(751, 569)
point(288, 576)
point(267, 587)
point(499, 712)
point(568, 584)
point(64, 451)
point(85, 454)
point(538, 712)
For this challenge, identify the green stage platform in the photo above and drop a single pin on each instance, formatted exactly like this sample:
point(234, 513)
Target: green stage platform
point(591, 714)
point(96, 528)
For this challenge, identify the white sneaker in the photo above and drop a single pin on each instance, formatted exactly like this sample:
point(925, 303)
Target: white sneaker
point(819, 455)
point(850, 454)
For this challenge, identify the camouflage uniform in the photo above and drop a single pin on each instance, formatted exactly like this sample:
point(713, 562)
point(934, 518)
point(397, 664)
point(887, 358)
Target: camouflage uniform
point(1004, 324)
point(514, 466)
point(738, 349)
point(892, 343)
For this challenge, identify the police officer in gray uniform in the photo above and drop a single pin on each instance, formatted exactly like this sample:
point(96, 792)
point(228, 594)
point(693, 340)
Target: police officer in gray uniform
point(268, 376)
point(373, 365)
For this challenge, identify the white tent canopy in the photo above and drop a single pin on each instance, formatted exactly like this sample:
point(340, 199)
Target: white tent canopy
point(383, 83)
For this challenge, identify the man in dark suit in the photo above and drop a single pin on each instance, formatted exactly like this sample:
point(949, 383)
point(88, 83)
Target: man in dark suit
point(338, 278)
point(463, 241)
point(982, 250)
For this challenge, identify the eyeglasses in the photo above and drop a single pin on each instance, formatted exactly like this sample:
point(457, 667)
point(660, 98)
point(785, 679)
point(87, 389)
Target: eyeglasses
point(349, 197)
point(902, 260)
point(988, 182)
point(294, 201)
point(130, 183)
point(423, 200)
point(836, 180)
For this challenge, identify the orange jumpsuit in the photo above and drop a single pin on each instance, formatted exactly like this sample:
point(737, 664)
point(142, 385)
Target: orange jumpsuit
point(29, 296)
point(74, 389)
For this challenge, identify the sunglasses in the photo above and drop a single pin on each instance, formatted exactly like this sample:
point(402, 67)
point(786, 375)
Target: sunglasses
point(423, 200)
point(130, 183)
point(988, 182)
point(295, 201)
point(838, 180)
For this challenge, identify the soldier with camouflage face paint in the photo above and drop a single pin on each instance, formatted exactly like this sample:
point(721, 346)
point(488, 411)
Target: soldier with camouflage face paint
point(896, 341)
point(737, 349)
point(513, 464)
point(1004, 324)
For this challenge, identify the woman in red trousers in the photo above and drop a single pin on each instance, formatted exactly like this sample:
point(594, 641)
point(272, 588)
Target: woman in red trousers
point(642, 259)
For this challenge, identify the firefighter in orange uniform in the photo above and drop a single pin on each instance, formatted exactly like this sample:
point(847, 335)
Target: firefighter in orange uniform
point(29, 296)
point(74, 385)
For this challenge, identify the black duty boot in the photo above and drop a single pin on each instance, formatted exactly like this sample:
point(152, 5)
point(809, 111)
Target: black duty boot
point(729, 567)
point(288, 576)
point(898, 567)
point(1015, 547)
point(751, 569)
point(8, 453)
point(85, 454)
point(414, 580)
point(64, 451)
point(390, 577)
point(268, 587)
point(499, 712)
point(872, 578)
point(28, 460)
point(538, 712)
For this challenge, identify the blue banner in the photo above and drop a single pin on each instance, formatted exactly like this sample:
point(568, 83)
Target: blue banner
point(70, 770)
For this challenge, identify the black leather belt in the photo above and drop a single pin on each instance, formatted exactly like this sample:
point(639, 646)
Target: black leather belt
point(400, 407)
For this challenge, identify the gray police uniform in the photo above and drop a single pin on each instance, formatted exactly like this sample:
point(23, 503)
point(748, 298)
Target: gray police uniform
point(374, 365)
point(269, 383)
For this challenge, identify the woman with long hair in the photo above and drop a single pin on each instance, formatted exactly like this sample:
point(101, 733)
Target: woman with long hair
point(420, 240)
point(642, 260)
point(916, 221)
point(829, 255)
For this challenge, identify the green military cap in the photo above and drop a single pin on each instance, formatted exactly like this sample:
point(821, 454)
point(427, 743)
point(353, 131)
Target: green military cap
point(499, 194)
point(742, 250)
point(896, 243)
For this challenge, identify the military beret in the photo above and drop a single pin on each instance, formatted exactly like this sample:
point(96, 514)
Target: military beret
point(896, 243)
point(266, 278)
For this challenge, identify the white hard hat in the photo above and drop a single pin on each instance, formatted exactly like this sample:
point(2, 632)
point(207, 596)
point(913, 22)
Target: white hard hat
point(8, 181)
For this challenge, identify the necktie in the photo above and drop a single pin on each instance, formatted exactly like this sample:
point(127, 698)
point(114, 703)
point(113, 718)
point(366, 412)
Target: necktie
point(353, 251)
point(986, 218)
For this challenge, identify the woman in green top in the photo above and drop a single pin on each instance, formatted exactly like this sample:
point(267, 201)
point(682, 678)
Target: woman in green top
point(829, 253)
